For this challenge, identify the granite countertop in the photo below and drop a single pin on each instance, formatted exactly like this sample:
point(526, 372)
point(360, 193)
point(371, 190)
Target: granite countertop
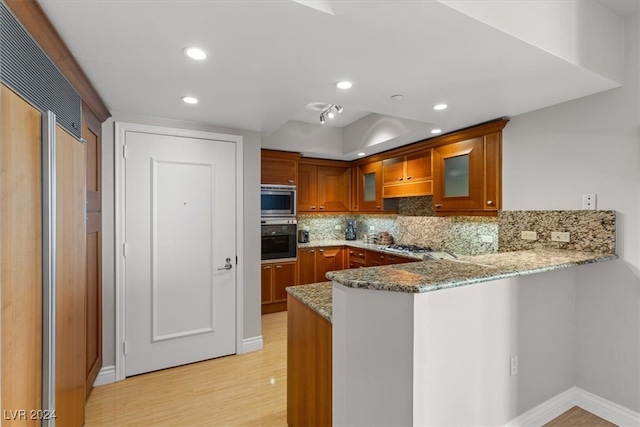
point(427, 276)
point(357, 244)
point(316, 296)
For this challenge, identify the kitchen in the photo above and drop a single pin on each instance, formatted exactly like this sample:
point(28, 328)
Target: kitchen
point(551, 156)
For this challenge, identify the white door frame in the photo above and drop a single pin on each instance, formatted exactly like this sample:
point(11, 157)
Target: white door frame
point(121, 128)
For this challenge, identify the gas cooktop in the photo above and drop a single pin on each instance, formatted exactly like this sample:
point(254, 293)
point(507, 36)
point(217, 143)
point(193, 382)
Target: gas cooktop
point(426, 252)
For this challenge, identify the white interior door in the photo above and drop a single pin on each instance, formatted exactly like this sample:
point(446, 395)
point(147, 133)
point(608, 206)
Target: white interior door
point(180, 222)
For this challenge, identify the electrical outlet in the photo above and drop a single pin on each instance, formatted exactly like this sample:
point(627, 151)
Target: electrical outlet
point(589, 202)
point(486, 239)
point(372, 228)
point(305, 227)
point(528, 235)
point(559, 236)
point(337, 227)
point(513, 365)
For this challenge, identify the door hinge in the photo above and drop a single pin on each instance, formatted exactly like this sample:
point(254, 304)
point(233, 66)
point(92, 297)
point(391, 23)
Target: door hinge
point(124, 348)
point(124, 249)
point(124, 151)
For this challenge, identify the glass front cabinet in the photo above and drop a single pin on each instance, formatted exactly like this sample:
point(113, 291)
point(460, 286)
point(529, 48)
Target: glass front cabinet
point(467, 176)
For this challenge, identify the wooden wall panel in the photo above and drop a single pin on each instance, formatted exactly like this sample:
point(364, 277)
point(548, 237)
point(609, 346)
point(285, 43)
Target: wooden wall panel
point(21, 256)
point(70, 280)
point(91, 132)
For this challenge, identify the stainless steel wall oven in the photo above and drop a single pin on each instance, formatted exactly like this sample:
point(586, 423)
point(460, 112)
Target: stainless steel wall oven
point(279, 239)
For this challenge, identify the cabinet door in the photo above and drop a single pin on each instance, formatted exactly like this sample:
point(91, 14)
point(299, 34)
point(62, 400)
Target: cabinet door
point(493, 172)
point(458, 170)
point(418, 166)
point(279, 169)
point(374, 259)
point(356, 258)
point(328, 259)
point(307, 188)
point(370, 186)
point(284, 275)
point(267, 283)
point(333, 188)
point(393, 170)
point(306, 266)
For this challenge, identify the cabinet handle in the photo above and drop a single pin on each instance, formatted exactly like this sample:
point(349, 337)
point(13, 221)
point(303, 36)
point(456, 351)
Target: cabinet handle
point(361, 255)
point(291, 181)
point(438, 205)
point(489, 202)
point(378, 207)
point(278, 266)
point(382, 256)
point(268, 267)
point(320, 250)
point(409, 177)
point(400, 179)
point(351, 252)
point(321, 207)
point(312, 207)
point(312, 251)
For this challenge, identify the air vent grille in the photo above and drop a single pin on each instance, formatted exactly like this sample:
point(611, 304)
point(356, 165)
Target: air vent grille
point(27, 70)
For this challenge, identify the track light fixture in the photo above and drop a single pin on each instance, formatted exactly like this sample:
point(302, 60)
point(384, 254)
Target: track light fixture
point(330, 112)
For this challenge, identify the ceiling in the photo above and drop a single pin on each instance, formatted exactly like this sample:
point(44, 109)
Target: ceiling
point(273, 62)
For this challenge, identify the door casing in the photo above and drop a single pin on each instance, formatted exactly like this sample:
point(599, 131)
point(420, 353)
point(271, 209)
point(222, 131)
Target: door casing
point(121, 128)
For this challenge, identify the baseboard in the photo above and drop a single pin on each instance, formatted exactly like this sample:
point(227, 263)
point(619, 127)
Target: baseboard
point(251, 344)
point(546, 411)
point(107, 375)
point(576, 396)
point(606, 409)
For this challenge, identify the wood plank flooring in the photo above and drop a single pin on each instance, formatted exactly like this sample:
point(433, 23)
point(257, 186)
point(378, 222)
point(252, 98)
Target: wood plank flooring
point(243, 390)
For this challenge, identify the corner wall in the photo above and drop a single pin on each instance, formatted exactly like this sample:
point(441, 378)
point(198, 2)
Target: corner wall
point(591, 145)
point(252, 140)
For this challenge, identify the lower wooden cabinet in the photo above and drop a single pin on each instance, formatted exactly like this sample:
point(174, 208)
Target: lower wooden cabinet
point(315, 263)
point(275, 279)
point(397, 259)
point(356, 257)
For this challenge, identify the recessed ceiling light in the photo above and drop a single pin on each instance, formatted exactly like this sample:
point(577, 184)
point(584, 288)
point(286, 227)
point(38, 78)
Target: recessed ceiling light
point(436, 130)
point(397, 97)
point(361, 154)
point(189, 100)
point(440, 107)
point(195, 53)
point(344, 84)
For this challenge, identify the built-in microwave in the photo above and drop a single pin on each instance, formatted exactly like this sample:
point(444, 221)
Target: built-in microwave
point(277, 201)
point(279, 239)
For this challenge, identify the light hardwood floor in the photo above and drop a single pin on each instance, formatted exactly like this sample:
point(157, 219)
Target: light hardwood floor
point(244, 390)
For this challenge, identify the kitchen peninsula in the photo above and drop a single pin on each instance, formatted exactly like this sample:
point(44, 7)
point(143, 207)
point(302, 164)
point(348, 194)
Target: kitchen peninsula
point(430, 343)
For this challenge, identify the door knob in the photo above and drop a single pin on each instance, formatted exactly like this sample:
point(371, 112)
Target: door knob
point(227, 266)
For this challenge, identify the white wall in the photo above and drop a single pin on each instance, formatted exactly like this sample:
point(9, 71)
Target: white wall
point(252, 319)
point(591, 145)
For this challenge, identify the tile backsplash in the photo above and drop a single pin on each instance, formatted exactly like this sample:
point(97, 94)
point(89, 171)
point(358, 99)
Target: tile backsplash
point(588, 230)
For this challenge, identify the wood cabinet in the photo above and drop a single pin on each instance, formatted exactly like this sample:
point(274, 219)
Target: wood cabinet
point(398, 259)
point(467, 176)
point(369, 187)
point(91, 132)
point(275, 278)
point(323, 186)
point(315, 263)
point(309, 367)
point(357, 257)
point(407, 175)
point(374, 259)
point(279, 167)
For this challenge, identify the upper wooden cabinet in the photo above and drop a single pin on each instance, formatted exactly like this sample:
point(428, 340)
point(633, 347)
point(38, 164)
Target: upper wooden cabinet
point(369, 187)
point(279, 167)
point(467, 176)
point(407, 175)
point(323, 186)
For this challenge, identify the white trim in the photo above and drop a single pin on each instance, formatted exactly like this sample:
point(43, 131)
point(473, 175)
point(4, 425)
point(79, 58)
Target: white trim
point(120, 130)
point(546, 411)
point(612, 412)
point(252, 344)
point(107, 375)
point(576, 396)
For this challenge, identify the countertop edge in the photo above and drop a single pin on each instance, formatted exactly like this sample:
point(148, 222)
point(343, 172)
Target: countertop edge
point(313, 295)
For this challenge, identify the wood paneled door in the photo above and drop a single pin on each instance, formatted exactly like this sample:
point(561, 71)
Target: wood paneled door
point(21, 257)
point(93, 287)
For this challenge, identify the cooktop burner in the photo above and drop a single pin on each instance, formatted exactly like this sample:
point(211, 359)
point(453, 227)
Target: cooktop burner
point(408, 248)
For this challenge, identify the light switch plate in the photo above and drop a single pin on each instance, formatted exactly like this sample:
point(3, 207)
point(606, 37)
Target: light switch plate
point(559, 236)
point(486, 239)
point(528, 235)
